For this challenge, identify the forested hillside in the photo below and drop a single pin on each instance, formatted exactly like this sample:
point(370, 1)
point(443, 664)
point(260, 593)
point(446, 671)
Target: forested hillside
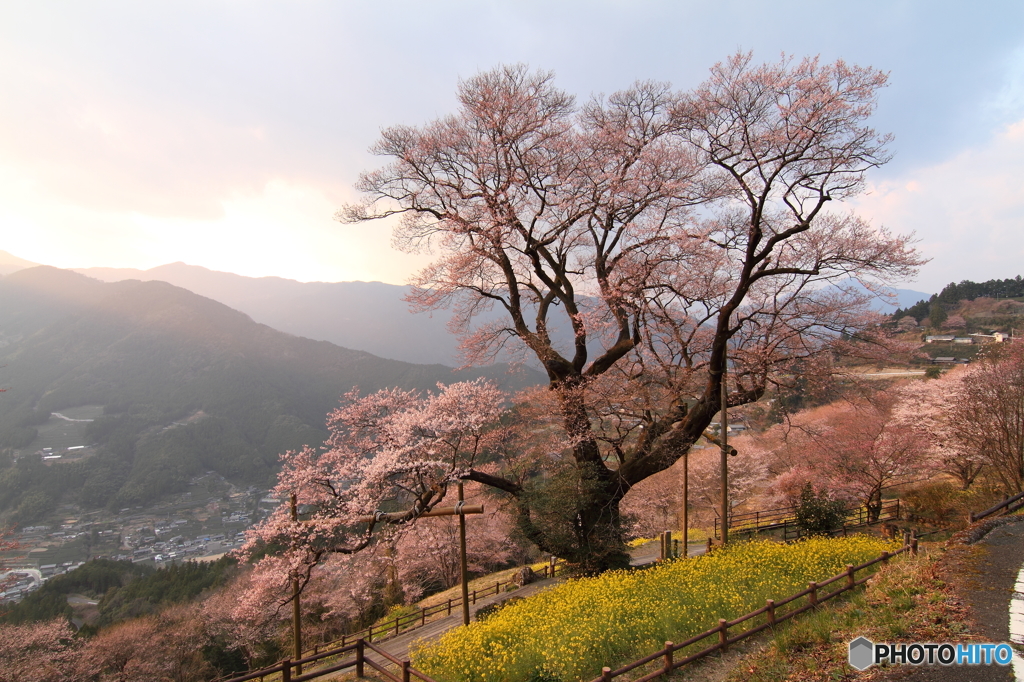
point(966, 290)
point(186, 384)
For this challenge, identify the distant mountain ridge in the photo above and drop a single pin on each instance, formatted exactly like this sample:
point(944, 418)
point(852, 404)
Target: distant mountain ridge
point(10, 263)
point(187, 384)
point(368, 316)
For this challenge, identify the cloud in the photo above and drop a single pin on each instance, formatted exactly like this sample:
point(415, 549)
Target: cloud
point(968, 210)
point(284, 229)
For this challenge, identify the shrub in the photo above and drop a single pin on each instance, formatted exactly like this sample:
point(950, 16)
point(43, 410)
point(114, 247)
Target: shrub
point(816, 514)
point(941, 504)
point(485, 612)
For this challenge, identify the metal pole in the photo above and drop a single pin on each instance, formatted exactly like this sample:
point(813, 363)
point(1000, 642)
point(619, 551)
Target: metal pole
point(724, 438)
point(462, 561)
point(296, 608)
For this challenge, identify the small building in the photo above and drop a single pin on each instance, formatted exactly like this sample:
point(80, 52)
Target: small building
point(939, 338)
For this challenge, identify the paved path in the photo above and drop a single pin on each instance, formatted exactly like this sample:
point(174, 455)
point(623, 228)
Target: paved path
point(990, 594)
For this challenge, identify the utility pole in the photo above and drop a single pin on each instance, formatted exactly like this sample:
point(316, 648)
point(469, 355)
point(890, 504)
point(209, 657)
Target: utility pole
point(724, 439)
point(296, 608)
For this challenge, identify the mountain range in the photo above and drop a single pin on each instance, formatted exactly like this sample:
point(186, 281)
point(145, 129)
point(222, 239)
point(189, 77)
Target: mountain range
point(187, 384)
point(368, 316)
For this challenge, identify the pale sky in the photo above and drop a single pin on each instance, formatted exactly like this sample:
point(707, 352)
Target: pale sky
point(226, 133)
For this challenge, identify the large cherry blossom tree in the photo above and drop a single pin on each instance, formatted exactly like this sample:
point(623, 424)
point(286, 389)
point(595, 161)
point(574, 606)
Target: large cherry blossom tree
point(665, 230)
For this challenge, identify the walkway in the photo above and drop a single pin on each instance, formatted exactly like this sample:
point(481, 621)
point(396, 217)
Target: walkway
point(990, 593)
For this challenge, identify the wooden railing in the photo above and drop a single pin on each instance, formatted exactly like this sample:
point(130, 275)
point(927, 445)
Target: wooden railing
point(1010, 504)
point(784, 519)
point(388, 629)
point(359, 661)
point(772, 617)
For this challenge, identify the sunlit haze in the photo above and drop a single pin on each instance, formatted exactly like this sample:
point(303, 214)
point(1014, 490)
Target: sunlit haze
point(226, 134)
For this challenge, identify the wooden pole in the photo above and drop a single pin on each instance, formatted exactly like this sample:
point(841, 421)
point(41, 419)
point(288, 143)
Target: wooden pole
point(685, 521)
point(460, 510)
point(724, 438)
point(296, 608)
point(462, 559)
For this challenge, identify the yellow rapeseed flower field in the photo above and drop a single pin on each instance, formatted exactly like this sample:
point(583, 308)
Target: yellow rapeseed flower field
point(570, 631)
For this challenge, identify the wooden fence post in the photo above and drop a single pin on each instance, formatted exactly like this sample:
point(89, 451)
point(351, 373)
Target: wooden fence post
point(286, 670)
point(813, 587)
point(913, 546)
point(668, 657)
point(771, 612)
point(360, 657)
point(449, 608)
point(723, 634)
point(850, 578)
point(885, 557)
point(606, 674)
point(405, 671)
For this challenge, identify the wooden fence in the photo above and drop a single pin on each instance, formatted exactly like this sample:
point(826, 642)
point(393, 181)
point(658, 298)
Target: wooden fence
point(359, 661)
point(771, 612)
point(388, 629)
point(1007, 506)
point(784, 520)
